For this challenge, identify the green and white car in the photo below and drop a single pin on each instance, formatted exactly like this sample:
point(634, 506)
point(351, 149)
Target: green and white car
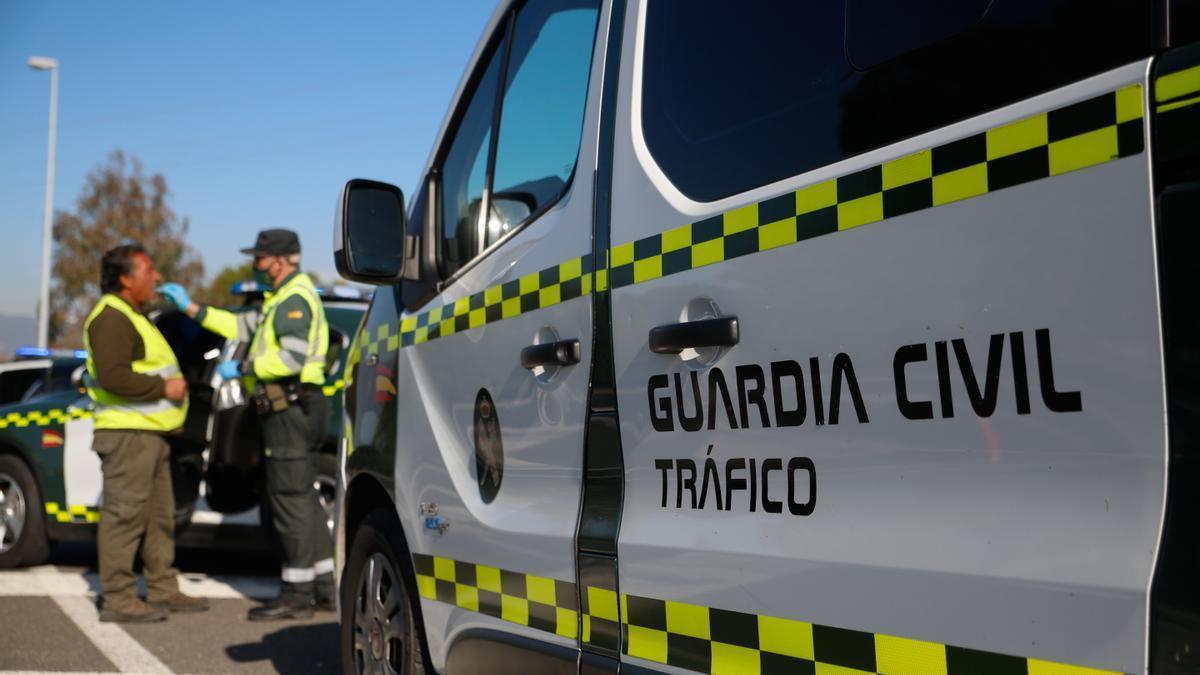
point(50, 480)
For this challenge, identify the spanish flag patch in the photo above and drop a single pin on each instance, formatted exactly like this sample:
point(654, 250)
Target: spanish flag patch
point(295, 314)
point(51, 438)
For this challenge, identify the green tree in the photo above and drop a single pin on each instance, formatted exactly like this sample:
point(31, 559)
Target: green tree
point(216, 292)
point(118, 203)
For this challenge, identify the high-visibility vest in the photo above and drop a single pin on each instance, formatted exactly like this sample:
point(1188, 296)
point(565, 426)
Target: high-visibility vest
point(114, 412)
point(265, 347)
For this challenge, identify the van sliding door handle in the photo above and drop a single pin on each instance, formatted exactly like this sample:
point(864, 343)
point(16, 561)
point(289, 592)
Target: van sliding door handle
point(561, 353)
point(676, 337)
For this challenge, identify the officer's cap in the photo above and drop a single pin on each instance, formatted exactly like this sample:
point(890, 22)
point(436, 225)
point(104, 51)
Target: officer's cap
point(274, 242)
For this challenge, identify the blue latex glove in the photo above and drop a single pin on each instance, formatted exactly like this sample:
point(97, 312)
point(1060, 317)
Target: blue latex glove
point(176, 294)
point(230, 370)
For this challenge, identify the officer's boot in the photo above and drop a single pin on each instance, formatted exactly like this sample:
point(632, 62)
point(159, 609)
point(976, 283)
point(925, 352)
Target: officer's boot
point(295, 601)
point(325, 593)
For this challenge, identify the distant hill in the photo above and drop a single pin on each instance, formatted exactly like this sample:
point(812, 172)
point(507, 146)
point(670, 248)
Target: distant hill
point(16, 330)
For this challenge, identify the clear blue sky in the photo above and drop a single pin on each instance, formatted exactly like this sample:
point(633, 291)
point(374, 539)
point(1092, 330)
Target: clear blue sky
point(256, 112)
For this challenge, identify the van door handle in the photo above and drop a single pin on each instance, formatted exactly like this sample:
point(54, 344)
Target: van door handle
point(676, 337)
point(561, 353)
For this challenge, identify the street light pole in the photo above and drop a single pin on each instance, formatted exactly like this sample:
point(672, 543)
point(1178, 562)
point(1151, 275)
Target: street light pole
point(46, 63)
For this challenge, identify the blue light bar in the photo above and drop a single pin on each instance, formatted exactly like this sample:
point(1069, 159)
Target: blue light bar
point(30, 352)
point(348, 292)
point(243, 287)
point(33, 352)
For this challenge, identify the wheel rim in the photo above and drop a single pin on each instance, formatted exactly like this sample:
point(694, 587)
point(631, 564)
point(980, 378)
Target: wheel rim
point(12, 512)
point(380, 619)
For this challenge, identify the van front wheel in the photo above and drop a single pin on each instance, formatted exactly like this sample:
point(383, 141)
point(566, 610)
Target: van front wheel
point(379, 633)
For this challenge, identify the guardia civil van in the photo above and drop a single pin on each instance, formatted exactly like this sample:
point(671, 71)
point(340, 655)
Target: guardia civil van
point(852, 336)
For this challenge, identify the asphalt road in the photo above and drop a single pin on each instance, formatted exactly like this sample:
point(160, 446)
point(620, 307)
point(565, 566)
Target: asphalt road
point(49, 623)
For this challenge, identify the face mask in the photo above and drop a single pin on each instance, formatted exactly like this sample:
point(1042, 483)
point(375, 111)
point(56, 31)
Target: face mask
point(263, 278)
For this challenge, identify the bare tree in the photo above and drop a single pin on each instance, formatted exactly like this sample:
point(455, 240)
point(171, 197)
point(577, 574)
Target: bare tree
point(119, 203)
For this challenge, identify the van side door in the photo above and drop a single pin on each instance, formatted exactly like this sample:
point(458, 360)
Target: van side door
point(491, 376)
point(888, 353)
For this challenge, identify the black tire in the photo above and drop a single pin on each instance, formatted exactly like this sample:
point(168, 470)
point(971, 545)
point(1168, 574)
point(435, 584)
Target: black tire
point(22, 516)
point(380, 636)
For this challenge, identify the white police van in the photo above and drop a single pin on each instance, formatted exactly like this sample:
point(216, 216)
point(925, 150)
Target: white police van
point(839, 337)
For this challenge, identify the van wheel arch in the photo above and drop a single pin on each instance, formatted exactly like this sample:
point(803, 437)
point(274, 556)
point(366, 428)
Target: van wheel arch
point(368, 501)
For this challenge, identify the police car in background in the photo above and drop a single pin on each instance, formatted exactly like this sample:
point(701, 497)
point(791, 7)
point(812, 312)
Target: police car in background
point(50, 480)
point(851, 336)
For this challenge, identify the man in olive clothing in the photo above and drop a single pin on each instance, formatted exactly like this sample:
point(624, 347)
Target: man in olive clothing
point(285, 368)
point(134, 381)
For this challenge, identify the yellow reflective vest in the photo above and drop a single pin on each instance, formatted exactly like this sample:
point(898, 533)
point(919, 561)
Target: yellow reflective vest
point(114, 412)
point(269, 358)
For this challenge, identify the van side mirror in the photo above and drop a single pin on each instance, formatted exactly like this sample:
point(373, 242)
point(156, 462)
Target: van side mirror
point(368, 244)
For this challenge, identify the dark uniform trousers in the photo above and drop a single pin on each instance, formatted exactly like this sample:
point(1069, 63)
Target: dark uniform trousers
point(292, 439)
point(138, 508)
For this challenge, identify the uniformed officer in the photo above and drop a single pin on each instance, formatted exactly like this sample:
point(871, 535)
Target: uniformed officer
point(139, 395)
point(285, 370)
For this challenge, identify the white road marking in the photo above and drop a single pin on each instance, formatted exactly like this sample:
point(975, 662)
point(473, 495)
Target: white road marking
point(49, 673)
point(49, 580)
point(60, 672)
point(75, 592)
point(126, 653)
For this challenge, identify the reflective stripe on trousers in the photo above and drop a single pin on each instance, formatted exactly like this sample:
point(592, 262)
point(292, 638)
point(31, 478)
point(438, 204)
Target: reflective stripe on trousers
point(299, 575)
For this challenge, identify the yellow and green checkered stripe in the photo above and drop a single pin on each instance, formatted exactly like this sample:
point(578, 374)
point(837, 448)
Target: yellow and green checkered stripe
point(555, 284)
point(529, 600)
point(73, 514)
point(333, 387)
point(1077, 136)
point(1179, 89)
point(1177, 110)
point(704, 639)
point(41, 418)
point(711, 640)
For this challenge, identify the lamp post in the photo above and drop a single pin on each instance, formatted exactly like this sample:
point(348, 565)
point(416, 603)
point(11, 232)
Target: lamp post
point(47, 63)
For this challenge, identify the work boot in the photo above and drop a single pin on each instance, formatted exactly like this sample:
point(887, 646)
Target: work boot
point(286, 606)
point(131, 611)
point(326, 594)
point(180, 603)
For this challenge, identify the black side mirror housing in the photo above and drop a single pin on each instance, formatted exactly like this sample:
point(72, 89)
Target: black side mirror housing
point(368, 243)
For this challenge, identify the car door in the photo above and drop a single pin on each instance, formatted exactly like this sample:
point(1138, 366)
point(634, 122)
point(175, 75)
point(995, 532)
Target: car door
point(889, 410)
point(490, 442)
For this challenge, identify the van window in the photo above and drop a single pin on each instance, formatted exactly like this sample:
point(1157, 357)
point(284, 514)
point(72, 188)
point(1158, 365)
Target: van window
point(464, 172)
point(542, 114)
point(541, 118)
point(733, 99)
point(880, 30)
point(1020, 48)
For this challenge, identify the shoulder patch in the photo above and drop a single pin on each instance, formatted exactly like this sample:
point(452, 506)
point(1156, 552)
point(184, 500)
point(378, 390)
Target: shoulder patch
point(295, 314)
